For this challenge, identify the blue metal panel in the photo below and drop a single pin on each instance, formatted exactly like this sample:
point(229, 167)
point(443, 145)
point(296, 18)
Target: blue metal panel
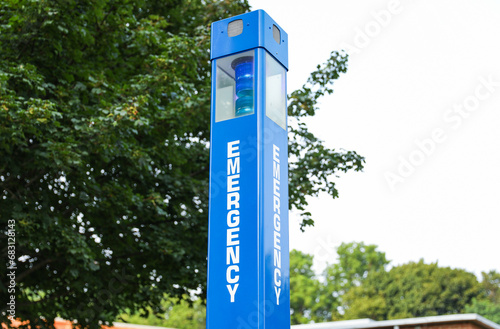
point(257, 33)
point(273, 188)
point(275, 247)
point(222, 310)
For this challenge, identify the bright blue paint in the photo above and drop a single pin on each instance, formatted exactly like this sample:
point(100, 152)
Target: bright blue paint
point(255, 305)
point(257, 33)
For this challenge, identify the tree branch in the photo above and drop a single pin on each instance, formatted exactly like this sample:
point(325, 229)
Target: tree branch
point(21, 276)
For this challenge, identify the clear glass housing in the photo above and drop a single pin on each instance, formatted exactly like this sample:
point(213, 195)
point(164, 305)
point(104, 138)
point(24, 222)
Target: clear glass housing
point(235, 95)
point(275, 91)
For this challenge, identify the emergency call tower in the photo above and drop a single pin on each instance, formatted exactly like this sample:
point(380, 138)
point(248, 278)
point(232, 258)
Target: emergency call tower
point(248, 250)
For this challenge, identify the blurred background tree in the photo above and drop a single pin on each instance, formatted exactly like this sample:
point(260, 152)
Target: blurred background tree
point(488, 303)
point(355, 261)
point(360, 285)
point(412, 290)
point(182, 313)
point(304, 287)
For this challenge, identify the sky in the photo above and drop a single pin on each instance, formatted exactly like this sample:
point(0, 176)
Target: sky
point(421, 102)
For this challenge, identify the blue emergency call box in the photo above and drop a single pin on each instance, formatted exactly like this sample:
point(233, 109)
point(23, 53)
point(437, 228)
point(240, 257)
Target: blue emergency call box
point(248, 248)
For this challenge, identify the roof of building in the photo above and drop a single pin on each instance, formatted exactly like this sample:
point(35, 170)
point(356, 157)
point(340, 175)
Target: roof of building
point(372, 324)
point(349, 324)
point(65, 324)
point(136, 326)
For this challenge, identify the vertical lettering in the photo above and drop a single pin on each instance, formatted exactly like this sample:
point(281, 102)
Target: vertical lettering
point(233, 166)
point(233, 255)
point(277, 258)
point(233, 218)
point(277, 223)
point(232, 291)
point(232, 148)
point(276, 154)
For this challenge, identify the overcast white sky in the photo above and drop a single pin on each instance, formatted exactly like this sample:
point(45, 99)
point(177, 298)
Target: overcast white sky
point(421, 101)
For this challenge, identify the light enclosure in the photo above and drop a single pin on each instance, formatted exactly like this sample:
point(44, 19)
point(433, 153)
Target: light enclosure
point(235, 85)
point(275, 91)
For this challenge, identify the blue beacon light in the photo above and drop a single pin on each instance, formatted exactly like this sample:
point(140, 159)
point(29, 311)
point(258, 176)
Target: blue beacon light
point(243, 70)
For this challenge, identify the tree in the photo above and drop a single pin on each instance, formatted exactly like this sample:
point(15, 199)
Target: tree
point(304, 287)
point(486, 308)
point(354, 262)
point(412, 290)
point(104, 134)
point(491, 286)
point(320, 300)
point(172, 313)
point(488, 303)
point(311, 164)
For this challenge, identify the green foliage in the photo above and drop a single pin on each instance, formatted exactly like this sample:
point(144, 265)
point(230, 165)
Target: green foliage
point(186, 316)
point(355, 260)
point(104, 134)
point(320, 299)
point(304, 287)
point(311, 164)
point(488, 303)
point(359, 286)
point(491, 286)
point(172, 313)
point(486, 308)
point(412, 290)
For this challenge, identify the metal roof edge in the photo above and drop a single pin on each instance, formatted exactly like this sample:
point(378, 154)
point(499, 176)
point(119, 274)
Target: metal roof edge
point(361, 323)
point(137, 326)
point(120, 325)
point(486, 322)
point(471, 317)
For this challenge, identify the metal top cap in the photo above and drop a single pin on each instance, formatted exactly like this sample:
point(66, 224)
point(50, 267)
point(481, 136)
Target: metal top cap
point(247, 31)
